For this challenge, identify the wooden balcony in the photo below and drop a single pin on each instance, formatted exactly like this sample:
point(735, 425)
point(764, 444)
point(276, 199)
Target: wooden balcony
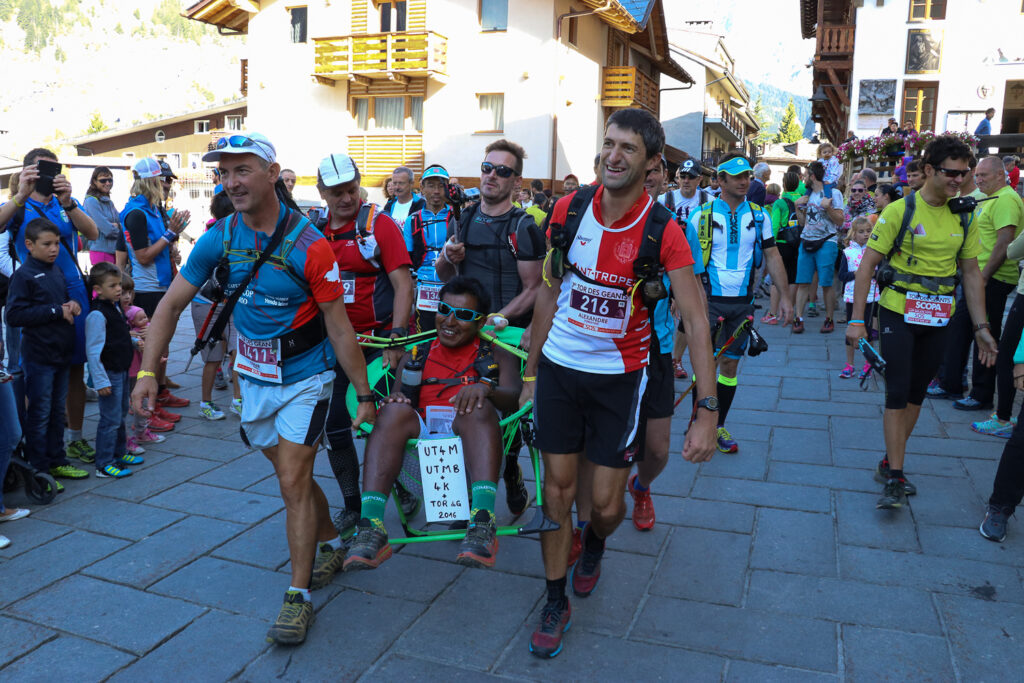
point(391, 56)
point(627, 86)
point(378, 154)
point(835, 41)
point(723, 121)
point(244, 88)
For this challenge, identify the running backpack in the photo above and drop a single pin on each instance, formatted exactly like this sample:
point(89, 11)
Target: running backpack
point(419, 237)
point(790, 232)
point(706, 228)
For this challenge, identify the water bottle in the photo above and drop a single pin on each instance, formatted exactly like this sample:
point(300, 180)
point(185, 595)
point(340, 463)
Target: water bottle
point(412, 378)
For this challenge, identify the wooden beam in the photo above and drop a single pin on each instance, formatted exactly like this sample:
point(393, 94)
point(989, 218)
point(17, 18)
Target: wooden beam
point(360, 80)
point(398, 78)
point(323, 80)
point(839, 64)
point(840, 87)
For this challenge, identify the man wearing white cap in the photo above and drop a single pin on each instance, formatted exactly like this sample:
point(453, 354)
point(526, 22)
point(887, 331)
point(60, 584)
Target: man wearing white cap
point(291, 326)
point(374, 270)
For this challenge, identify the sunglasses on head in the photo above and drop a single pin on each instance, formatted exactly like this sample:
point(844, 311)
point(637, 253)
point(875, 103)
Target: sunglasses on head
point(952, 172)
point(466, 315)
point(240, 142)
point(502, 170)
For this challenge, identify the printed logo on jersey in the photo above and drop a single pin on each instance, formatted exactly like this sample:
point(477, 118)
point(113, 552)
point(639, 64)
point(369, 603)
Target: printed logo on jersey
point(919, 230)
point(583, 240)
point(626, 252)
point(334, 274)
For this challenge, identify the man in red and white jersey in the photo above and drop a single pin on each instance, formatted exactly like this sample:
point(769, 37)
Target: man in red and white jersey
point(587, 369)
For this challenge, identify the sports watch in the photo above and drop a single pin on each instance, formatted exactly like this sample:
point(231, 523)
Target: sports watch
point(708, 403)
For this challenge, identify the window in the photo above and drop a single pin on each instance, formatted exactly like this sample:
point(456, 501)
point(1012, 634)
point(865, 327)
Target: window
point(299, 20)
point(919, 104)
point(925, 10)
point(194, 159)
point(574, 28)
point(160, 136)
point(389, 113)
point(174, 160)
point(392, 16)
point(494, 15)
point(416, 112)
point(362, 112)
point(492, 113)
point(201, 127)
point(233, 122)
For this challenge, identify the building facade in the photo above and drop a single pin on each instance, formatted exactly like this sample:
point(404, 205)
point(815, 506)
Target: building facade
point(415, 83)
point(936, 63)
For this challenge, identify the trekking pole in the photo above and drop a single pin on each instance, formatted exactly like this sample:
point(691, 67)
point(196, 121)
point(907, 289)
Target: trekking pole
point(874, 359)
point(200, 342)
point(737, 332)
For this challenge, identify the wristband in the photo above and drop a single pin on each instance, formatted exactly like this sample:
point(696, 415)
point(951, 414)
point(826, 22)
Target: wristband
point(365, 398)
point(530, 379)
point(982, 326)
point(169, 236)
point(145, 373)
point(69, 209)
point(854, 322)
point(17, 203)
point(400, 331)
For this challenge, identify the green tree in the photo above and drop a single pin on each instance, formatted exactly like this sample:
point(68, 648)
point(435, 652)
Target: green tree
point(790, 129)
point(764, 135)
point(118, 29)
point(96, 124)
point(136, 14)
point(59, 55)
point(6, 9)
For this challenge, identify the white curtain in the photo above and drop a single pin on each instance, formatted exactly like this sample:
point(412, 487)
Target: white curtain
point(417, 113)
point(362, 113)
point(389, 113)
point(492, 112)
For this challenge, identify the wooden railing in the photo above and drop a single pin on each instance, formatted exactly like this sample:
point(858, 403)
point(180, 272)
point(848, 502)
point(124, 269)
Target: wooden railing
point(378, 55)
point(627, 86)
point(378, 154)
point(245, 76)
point(715, 111)
point(835, 41)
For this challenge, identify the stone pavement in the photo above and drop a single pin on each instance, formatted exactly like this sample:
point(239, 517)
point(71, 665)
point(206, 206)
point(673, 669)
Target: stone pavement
point(768, 565)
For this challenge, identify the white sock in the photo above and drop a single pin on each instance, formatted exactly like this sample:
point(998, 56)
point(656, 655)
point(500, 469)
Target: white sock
point(74, 434)
point(335, 542)
point(304, 591)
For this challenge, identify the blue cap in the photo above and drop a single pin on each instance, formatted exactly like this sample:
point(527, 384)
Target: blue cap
point(147, 167)
point(435, 171)
point(472, 192)
point(735, 166)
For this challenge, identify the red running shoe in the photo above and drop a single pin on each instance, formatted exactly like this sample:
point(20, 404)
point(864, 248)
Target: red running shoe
point(158, 425)
point(555, 620)
point(643, 507)
point(577, 546)
point(679, 370)
point(169, 400)
point(166, 415)
point(587, 572)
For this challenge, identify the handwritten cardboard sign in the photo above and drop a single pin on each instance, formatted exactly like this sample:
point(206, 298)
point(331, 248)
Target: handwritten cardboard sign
point(443, 473)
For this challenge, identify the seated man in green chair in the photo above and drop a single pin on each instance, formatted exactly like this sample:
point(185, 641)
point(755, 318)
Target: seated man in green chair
point(462, 388)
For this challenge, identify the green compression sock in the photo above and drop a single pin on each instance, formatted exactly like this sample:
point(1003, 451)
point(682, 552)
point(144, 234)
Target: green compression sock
point(373, 506)
point(483, 496)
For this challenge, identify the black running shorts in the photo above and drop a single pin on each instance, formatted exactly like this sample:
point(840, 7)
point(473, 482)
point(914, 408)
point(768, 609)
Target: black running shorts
point(734, 314)
point(661, 390)
point(598, 415)
point(913, 354)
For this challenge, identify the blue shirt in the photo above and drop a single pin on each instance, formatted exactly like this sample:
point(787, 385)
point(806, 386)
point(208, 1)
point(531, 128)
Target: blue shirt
point(735, 247)
point(984, 128)
point(67, 261)
point(664, 323)
point(274, 304)
point(435, 234)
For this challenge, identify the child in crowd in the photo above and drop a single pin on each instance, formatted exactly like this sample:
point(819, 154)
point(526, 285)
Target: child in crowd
point(142, 429)
point(833, 169)
point(856, 243)
point(108, 346)
point(38, 303)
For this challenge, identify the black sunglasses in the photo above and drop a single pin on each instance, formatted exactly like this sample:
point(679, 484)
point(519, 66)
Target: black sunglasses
point(466, 315)
point(104, 180)
point(952, 172)
point(855, 189)
point(503, 171)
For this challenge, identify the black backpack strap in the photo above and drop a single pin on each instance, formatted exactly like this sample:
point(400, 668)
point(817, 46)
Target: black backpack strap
point(581, 199)
point(418, 239)
point(910, 204)
point(654, 230)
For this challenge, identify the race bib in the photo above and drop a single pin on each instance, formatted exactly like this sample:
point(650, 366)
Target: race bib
point(428, 294)
point(348, 288)
point(443, 474)
point(598, 311)
point(928, 309)
point(259, 358)
point(439, 419)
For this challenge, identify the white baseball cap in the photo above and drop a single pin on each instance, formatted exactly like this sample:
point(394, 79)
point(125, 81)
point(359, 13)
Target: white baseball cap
point(337, 169)
point(147, 167)
point(247, 143)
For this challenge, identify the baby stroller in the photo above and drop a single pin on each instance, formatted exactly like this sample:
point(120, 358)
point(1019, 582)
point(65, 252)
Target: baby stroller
point(39, 486)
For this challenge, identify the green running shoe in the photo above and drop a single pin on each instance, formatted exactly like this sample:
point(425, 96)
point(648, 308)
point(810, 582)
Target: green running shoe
point(293, 621)
point(81, 450)
point(327, 563)
point(68, 472)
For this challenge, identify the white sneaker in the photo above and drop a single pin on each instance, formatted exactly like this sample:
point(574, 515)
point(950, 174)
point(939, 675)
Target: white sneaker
point(210, 411)
point(134, 448)
point(150, 437)
point(236, 406)
point(4, 541)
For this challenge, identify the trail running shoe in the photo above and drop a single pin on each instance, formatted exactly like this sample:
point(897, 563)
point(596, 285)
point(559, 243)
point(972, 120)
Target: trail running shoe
point(865, 371)
point(134, 448)
point(882, 475)
point(113, 471)
point(293, 621)
point(166, 415)
point(479, 548)
point(935, 390)
point(726, 444)
point(893, 496)
point(148, 436)
point(169, 400)
point(555, 620)
point(848, 372)
point(345, 522)
point(994, 427)
point(678, 370)
point(643, 506)
point(970, 403)
point(219, 381)
point(993, 527)
point(81, 450)
point(812, 310)
point(210, 411)
point(158, 425)
point(236, 406)
point(516, 494)
point(828, 326)
point(798, 325)
point(60, 487)
point(369, 548)
point(327, 563)
point(770, 319)
point(587, 572)
point(577, 546)
point(409, 503)
point(129, 459)
point(68, 472)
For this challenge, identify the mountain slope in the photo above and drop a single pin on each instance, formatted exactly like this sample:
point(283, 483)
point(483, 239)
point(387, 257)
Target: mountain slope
point(774, 101)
